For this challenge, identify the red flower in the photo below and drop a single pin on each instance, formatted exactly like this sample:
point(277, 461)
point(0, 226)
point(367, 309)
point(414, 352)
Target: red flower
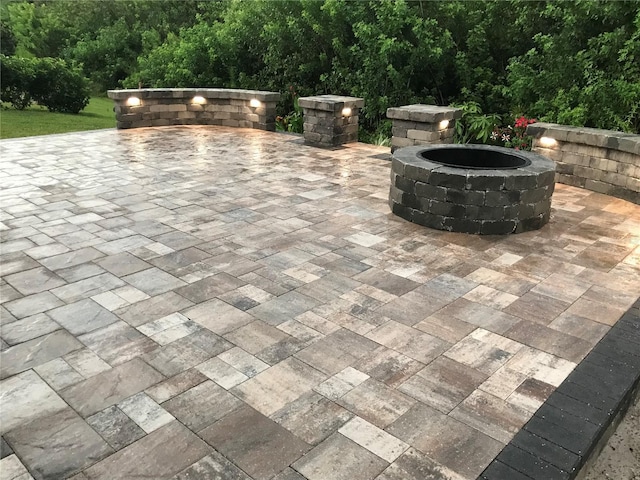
point(523, 121)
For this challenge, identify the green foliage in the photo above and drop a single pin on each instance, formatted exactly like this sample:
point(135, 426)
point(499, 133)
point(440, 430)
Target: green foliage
point(17, 76)
point(293, 121)
point(584, 68)
point(513, 136)
point(184, 61)
point(474, 126)
point(110, 55)
point(7, 40)
point(38, 29)
point(48, 81)
point(381, 136)
point(106, 37)
point(571, 62)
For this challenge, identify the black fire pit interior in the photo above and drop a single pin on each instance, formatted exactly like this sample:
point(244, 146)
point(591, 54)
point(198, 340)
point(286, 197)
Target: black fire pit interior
point(477, 159)
point(472, 188)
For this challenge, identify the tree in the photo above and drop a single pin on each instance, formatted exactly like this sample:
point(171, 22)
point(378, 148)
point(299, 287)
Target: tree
point(600, 85)
point(7, 40)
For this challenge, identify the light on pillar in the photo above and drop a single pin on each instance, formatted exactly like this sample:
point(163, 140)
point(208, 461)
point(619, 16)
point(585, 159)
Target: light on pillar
point(199, 100)
point(346, 112)
point(134, 102)
point(443, 124)
point(547, 142)
point(254, 103)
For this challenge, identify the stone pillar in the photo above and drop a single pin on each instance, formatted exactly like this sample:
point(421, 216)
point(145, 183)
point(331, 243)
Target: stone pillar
point(330, 120)
point(422, 125)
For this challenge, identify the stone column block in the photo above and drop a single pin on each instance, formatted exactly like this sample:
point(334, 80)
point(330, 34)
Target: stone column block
point(422, 125)
point(330, 120)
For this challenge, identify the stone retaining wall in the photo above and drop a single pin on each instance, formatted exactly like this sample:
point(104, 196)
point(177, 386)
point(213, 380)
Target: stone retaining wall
point(599, 160)
point(154, 107)
point(422, 125)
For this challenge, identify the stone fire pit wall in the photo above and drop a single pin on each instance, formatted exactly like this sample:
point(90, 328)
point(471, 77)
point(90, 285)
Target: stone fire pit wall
point(330, 120)
point(488, 202)
point(422, 125)
point(603, 161)
point(155, 107)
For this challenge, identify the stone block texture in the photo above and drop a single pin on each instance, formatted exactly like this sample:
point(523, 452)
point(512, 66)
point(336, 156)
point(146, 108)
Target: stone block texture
point(489, 202)
point(179, 106)
point(330, 120)
point(603, 161)
point(422, 125)
point(569, 429)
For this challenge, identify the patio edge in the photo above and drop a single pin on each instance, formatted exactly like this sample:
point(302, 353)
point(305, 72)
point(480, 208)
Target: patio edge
point(572, 426)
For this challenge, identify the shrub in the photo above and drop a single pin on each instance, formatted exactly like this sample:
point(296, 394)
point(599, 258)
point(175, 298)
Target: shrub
point(292, 121)
point(474, 126)
point(17, 76)
point(48, 81)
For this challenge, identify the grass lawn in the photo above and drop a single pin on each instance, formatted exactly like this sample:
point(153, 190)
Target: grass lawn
point(37, 120)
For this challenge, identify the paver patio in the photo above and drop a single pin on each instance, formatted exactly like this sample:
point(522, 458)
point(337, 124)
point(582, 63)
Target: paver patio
point(214, 303)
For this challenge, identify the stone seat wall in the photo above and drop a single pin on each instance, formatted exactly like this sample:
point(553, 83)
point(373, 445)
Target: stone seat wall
point(603, 161)
point(154, 107)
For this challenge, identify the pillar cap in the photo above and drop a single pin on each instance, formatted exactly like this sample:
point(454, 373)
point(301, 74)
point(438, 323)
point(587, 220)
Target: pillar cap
point(330, 103)
point(424, 113)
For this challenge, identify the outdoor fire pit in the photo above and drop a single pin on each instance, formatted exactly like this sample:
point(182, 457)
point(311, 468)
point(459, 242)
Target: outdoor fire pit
point(472, 188)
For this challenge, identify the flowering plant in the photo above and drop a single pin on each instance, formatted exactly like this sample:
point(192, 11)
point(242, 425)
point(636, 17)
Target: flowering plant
point(514, 136)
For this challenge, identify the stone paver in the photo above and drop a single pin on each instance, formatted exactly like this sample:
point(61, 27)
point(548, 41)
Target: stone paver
point(26, 397)
point(207, 302)
point(339, 458)
point(82, 317)
point(13, 469)
point(37, 351)
point(41, 441)
point(110, 387)
point(255, 443)
point(115, 427)
point(166, 452)
point(202, 405)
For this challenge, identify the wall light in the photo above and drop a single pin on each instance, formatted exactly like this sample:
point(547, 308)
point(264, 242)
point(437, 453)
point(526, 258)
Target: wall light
point(547, 142)
point(133, 102)
point(443, 124)
point(199, 100)
point(254, 103)
point(346, 112)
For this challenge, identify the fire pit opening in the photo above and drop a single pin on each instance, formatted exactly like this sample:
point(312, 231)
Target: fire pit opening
point(464, 157)
point(472, 188)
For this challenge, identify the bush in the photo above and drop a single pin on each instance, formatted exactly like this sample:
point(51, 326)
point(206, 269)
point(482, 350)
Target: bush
point(474, 126)
point(48, 81)
point(17, 77)
point(600, 85)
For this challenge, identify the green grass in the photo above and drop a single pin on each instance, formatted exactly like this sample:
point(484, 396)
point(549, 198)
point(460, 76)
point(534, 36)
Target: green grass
point(37, 120)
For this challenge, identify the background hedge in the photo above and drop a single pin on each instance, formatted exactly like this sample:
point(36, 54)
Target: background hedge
point(50, 82)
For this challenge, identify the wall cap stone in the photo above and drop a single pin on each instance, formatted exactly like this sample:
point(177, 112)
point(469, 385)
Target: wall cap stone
point(424, 113)
point(625, 142)
point(220, 93)
point(330, 103)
